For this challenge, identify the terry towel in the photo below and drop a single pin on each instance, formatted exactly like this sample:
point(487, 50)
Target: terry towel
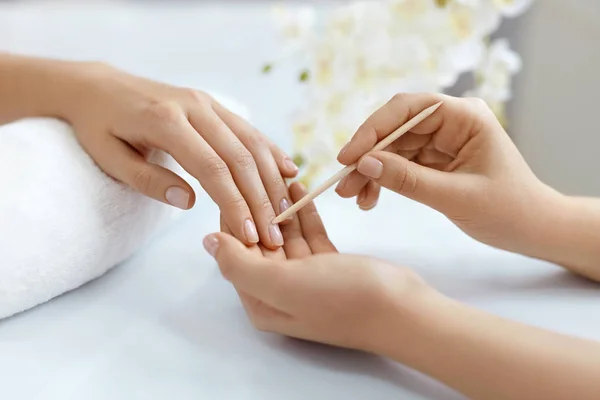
point(63, 222)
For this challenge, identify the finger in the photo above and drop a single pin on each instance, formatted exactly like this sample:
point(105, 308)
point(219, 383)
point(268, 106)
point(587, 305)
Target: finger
point(455, 122)
point(260, 149)
point(259, 312)
point(428, 186)
point(249, 272)
point(313, 229)
point(295, 245)
point(352, 185)
point(368, 197)
point(277, 254)
point(174, 134)
point(243, 168)
point(287, 167)
point(125, 164)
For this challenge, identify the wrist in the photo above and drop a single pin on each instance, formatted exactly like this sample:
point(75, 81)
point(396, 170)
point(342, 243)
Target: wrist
point(72, 85)
point(38, 87)
point(410, 318)
point(569, 235)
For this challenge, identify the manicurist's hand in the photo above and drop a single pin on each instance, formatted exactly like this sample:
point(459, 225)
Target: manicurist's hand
point(120, 119)
point(459, 161)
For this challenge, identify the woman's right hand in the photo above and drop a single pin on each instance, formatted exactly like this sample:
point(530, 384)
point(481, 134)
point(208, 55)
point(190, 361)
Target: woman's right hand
point(459, 161)
point(121, 119)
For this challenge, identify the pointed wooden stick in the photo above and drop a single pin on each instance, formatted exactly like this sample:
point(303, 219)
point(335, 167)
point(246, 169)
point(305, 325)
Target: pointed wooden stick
point(385, 142)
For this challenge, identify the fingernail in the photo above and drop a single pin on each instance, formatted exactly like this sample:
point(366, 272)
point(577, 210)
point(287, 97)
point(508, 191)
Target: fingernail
point(290, 164)
point(276, 236)
point(361, 197)
point(211, 244)
point(178, 197)
point(371, 167)
point(342, 184)
point(284, 205)
point(250, 231)
point(344, 149)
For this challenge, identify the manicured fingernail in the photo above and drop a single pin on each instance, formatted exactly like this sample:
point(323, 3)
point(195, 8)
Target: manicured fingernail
point(289, 164)
point(361, 197)
point(211, 244)
point(276, 236)
point(371, 167)
point(342, 184)
point(250, 231)
point(178, 197)
point(284, 205)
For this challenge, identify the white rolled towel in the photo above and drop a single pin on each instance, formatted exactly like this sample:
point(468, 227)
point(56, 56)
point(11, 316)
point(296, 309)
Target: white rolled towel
point(63, 222)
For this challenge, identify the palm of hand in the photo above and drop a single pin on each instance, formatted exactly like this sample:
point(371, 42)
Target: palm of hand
point(304, 237)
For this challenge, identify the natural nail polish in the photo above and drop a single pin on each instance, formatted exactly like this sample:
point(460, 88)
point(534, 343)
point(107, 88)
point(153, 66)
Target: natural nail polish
point(275, 235)
point(211, 244)
point(290, 164)
point(284, 205)
point(370, 167)
point(250, 231)
point(178, 197)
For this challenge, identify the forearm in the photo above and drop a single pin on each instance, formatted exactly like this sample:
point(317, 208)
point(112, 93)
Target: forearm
point(486, 357)
point(569, 235)
point(35, 87)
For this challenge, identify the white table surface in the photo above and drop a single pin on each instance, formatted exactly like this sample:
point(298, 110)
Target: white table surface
point(165, 324)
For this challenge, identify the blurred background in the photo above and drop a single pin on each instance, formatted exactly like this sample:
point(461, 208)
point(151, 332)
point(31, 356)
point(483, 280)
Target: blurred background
point(222, 46)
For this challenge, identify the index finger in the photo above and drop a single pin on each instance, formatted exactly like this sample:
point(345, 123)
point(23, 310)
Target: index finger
point(395, 113)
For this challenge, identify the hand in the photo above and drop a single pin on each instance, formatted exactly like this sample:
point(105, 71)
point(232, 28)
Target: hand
point(307, 290)
point(459, 161)
point(121, 119)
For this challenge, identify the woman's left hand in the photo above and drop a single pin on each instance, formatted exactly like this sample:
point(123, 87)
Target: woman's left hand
point(309, 291)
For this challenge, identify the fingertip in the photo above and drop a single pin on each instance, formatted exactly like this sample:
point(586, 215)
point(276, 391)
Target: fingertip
point(290, 169)
point(369, 196)
point(211, 244)
point(297, 191)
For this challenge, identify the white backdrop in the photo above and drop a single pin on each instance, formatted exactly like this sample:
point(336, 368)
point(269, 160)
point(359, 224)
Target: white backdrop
point(165, 324)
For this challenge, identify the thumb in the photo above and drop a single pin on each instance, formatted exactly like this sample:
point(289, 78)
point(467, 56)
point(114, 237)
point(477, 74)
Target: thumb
point(429, 186)
point(247, 270)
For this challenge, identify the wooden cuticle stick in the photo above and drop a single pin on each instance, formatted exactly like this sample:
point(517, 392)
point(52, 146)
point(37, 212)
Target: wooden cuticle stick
point(381, 145)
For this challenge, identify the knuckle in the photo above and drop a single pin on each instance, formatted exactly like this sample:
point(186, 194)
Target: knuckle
point(277, 180)
point(256, 139)
point(142, 180)
point(237, 202)
point(265, 203)
point(216, 167)
point(243, 159)
point(167, 112)
point(398, 98)
point(399, 180)
point(197, 97)
point(477, 103)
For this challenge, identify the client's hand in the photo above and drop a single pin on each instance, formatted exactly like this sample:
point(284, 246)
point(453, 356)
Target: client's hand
point(309, 291)
point(459, 161)
point(120, 119)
